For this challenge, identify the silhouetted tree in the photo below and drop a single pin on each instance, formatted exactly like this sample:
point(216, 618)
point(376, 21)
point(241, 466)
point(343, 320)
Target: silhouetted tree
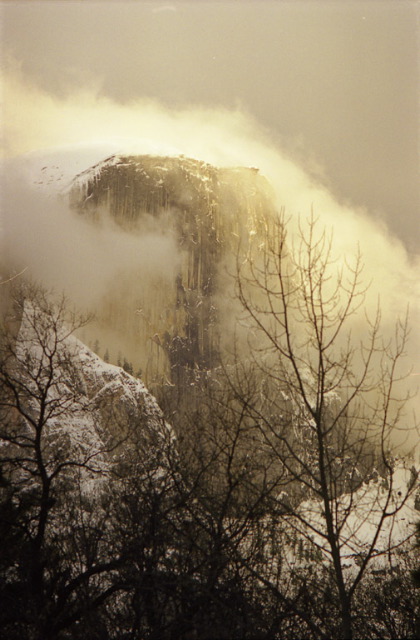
point(227, 522)
point(56, 564)
point(328, 404)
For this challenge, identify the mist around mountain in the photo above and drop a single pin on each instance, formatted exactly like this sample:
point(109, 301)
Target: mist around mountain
point(274, 493)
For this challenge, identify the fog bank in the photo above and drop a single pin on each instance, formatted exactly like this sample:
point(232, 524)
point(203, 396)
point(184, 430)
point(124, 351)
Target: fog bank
point(61, 249)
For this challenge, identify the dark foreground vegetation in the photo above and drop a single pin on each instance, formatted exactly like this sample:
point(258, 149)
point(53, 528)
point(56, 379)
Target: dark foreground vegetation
point(238, 521)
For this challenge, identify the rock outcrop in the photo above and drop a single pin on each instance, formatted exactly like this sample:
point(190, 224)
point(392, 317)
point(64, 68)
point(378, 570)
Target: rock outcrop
point(172, 324)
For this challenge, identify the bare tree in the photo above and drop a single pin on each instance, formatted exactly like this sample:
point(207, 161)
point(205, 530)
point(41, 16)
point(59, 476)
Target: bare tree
point(182, 526)
point(227, 522)
point(280, 476)
point(330, 403)
point(50, 578)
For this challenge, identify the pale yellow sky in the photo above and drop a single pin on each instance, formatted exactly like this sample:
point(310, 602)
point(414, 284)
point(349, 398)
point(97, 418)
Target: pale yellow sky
point(336, 84)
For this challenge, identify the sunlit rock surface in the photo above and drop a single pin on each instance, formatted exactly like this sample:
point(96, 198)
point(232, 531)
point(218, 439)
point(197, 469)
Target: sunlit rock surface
point(170, 323)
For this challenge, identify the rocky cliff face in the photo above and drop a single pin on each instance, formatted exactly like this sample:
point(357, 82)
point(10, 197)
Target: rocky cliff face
point(172, 323)
point(120, 407)
point(87, 411)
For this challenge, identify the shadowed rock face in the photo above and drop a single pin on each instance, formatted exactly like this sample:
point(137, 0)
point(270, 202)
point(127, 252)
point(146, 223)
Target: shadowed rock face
point(171, 323)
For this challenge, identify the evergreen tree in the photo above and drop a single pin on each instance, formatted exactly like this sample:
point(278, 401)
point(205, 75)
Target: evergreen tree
point(127, 366)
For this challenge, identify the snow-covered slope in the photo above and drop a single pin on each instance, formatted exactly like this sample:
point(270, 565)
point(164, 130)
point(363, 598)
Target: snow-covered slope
point(120, 406)
point(361, 514)
point(87, 412)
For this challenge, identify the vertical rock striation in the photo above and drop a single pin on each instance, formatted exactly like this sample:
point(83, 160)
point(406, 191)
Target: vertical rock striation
point(172, 323)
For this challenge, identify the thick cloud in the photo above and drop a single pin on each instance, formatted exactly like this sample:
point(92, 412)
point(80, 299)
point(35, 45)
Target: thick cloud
point(54, 245)
point(63, 250)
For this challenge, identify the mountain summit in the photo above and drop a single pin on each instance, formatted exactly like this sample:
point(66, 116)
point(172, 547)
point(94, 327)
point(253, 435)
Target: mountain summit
point(172, 322)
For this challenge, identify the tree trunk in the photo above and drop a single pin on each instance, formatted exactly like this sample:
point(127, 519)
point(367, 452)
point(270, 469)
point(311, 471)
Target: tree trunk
point(346, 622)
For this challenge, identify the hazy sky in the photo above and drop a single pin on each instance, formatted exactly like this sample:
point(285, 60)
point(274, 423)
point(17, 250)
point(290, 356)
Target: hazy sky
point(336, 84)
